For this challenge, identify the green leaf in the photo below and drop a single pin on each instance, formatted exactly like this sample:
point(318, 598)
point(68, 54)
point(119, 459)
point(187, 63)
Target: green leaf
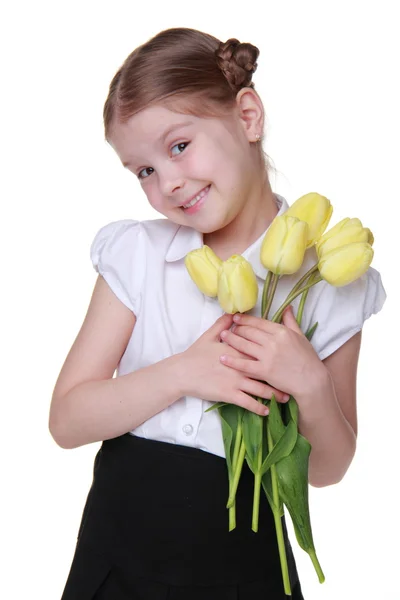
point(252, 435)
point(216, 405)
point(231, 415)
point(275, 423)
point(293, 410)
point(292, 473)
point(311, 331)
point(282, 448)
point(267, 486)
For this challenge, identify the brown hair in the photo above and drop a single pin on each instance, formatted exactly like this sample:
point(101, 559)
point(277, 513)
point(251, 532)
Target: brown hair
point(181, 65)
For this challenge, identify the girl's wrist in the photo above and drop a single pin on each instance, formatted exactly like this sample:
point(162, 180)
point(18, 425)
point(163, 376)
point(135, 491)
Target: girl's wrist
point(177, 374)
point(318, 391)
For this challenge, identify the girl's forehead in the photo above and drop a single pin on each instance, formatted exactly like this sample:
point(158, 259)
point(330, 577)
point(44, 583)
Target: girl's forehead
point(152, 122)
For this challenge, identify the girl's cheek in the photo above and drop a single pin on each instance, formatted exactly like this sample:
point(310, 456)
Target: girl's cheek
point(153, 194)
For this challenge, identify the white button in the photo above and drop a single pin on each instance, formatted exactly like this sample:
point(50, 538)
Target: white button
point(188, 429)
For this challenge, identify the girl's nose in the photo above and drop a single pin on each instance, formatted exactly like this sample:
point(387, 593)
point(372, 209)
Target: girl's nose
point(171, 179)
point(170, 186)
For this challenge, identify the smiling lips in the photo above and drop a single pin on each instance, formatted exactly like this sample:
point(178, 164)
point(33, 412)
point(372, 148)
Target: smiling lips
point(194, 200)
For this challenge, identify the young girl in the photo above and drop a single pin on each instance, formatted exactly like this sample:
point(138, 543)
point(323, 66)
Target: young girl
point(182, 114)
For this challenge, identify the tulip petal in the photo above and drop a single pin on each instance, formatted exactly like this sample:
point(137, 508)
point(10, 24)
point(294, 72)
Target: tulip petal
point(347, 231)
point(284, 245)
point(346, 264)
point(314, 209)
point(202, 265)
point(237, 285)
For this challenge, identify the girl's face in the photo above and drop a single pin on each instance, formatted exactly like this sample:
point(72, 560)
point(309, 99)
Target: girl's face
point(181, 158)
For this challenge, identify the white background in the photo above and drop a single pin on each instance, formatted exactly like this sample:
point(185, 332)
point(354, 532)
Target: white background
point(328, 75)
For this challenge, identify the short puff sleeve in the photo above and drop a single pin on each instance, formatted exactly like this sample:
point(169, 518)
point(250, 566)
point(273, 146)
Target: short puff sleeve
point(118, 255)
point(341, 311)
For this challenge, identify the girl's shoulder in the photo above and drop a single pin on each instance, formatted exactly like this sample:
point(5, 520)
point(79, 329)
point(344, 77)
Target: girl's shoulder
point(125, 231)
point(123, 250)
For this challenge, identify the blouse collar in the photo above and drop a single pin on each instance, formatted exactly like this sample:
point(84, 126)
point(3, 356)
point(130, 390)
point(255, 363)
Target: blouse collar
point(187, 239)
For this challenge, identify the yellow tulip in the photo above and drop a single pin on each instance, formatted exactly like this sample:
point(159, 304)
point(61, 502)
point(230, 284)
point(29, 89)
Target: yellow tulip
point(345, 264)
point(314, 209)
point(202, 265)
point(284, 245)
point(347, 231)
point(237, 285)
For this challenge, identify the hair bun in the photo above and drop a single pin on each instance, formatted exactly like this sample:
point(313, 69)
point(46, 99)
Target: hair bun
point(237, 61)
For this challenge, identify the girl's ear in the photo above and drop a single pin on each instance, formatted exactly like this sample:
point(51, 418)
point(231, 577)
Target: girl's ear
point(251, 113)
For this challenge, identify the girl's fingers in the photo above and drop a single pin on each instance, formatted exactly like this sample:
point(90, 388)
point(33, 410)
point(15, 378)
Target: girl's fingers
point(263, 390)
point(280, 396)
point(257, 322)
point(242, 399)
point(240, 343)
point(252, 334)
point(248, 367)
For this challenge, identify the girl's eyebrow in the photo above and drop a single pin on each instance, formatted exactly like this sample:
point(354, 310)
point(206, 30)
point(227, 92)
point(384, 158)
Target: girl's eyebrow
point(169, 130)
point(172, 128)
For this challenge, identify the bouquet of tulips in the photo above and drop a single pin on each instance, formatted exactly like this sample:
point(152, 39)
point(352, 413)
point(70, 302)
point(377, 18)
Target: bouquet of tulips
point(272, 446)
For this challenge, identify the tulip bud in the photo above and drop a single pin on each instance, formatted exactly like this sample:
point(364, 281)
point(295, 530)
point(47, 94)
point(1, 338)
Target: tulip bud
point(284, 245)
point(314, 209)
point(347, 231)
point(237, 285)
point(345, 264)
point(202, 265)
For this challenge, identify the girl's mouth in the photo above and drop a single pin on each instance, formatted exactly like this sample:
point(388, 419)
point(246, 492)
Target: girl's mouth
point(195, 204)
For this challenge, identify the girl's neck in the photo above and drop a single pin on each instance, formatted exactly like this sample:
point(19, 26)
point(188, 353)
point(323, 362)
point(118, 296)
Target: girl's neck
point(257, 214)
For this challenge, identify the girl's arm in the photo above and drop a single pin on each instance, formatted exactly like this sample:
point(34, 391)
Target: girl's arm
point(88, 404)
point(330, 423)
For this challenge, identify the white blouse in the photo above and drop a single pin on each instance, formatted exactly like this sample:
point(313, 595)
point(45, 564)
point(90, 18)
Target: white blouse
point(143, 263)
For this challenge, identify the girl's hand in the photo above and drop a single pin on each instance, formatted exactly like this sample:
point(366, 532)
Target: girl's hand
point(204, 376)
point(281, 354)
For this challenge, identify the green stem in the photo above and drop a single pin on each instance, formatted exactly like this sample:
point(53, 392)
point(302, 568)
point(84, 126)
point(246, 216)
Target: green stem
point(257, 490)
point(265, 291)
point(317, 566)
point(278, 522)
point(278, 315)
point(237, 474)
point(304, 295)
point(237, 445)
point(298, 285)
point(232, 507)
point(232, 517)
point(301, 307)
point(275, 279)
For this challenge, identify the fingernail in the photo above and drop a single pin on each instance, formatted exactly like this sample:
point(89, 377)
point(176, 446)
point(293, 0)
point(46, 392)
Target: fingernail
point(236, 318)
point(266, 411)
point(286, 397)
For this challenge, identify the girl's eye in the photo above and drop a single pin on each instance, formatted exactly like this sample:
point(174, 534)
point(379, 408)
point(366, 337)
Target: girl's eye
point(181, 146)
point(184, 144)
point(140, 176)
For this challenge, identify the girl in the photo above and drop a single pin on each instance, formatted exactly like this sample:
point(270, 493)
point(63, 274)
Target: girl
point(182, 114)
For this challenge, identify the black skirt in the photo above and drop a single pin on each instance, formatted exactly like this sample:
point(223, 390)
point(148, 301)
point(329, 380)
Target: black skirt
point(155, 527)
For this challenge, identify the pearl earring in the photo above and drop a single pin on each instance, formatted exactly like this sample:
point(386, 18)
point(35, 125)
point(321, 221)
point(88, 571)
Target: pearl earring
point(257, 137)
